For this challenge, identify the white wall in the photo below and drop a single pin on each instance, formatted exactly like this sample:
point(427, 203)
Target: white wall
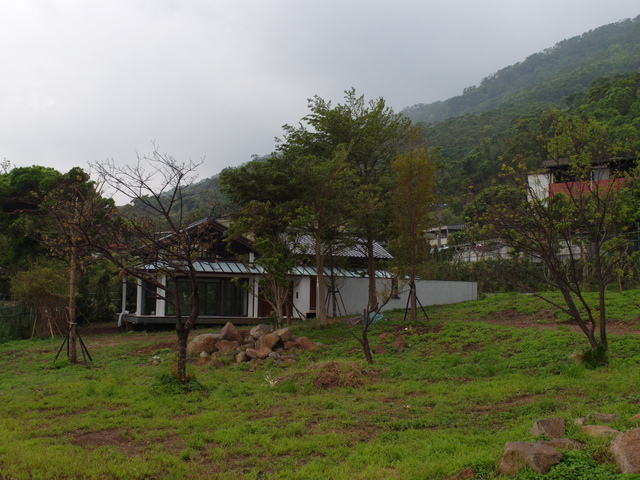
point(354, 293)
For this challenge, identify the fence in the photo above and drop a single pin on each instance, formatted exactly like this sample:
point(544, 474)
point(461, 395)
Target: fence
point(18, 321)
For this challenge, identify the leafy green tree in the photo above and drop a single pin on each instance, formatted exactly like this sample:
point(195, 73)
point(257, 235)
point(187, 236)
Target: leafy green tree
point(373, 135)
point(412, 197)
point(577, 234)
point(74, 207)
point(21, 218)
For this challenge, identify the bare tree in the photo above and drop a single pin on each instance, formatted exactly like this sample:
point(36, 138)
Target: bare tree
point(153, 238)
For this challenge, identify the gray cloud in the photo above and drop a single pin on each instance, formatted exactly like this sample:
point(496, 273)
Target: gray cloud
point(88, 80)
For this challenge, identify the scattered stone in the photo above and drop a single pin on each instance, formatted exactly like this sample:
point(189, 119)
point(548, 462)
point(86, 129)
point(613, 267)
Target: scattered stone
point(540, 458)
point(399, 344)
point(260, 330)
point(230, 333)
point(274, 356)
point(205, 355)
point(284, 334)
point(268, 340)
point(604, 417)
point(600, 431)
point(226, 346)
point(466, 474)
point(635, 418)
point(385, 336)
point(551, 427)
point(203, 343)
point(626, 450)
point(380, 349)
point(578, 422)
point(242, 357)
point(263, 352)
point(563, 444)
point(305, 344)
point(251, 353)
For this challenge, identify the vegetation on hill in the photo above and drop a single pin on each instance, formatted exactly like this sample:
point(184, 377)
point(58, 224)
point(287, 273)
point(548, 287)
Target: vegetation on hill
point(546, 78)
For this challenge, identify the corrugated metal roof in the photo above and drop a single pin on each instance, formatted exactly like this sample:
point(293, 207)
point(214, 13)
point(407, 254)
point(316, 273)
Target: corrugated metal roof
point(355, 249)
point(238, 268)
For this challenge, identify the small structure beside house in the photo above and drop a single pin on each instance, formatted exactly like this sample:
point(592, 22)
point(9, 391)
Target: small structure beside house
point(229, 287)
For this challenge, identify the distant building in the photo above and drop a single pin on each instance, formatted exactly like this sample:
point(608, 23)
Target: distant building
point(558, 177)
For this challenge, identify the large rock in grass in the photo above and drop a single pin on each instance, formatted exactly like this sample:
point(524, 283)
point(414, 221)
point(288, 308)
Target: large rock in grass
point(203, 343)
point(284, 334)
point(563, 444)
point(261, 353)
point(260, 330)
point(550, 427)
point(539, 458)
point(600, 431)
point(230, 333)
point(305, 344)
point(226, 346)
point(268, 340)
point(604, 417)
point(626, 450)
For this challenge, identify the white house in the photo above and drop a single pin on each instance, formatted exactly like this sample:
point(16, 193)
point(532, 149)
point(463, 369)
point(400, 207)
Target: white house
point(229, 279)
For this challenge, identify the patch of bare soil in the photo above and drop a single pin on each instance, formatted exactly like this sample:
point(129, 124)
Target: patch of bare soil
point(328, 375)
point(117, 439)
point(547, 319)
point(152, 348)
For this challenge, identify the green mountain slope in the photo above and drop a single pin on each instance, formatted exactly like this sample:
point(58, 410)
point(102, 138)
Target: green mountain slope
point(548, 77)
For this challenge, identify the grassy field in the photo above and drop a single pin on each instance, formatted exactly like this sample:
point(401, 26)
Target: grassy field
point(450, 400)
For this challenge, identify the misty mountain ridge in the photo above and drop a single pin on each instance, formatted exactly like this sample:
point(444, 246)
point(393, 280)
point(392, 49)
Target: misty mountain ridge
point(546, 78)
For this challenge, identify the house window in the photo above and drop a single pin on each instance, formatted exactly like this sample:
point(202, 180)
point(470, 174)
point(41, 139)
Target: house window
point(218, 297)
point(149, 297)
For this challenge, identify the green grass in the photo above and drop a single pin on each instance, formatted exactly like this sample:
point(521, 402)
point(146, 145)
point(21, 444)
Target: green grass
point(450, 400)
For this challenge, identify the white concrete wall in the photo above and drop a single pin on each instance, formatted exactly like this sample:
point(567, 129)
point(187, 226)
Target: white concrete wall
point(538, 185)
point(354, 293)
point(302, 295)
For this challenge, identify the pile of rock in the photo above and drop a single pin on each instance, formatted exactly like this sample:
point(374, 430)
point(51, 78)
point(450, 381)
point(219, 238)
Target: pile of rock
point(544, 454)
point(259, 344)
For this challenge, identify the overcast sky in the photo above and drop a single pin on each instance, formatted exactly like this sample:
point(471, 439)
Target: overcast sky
point(85, 80)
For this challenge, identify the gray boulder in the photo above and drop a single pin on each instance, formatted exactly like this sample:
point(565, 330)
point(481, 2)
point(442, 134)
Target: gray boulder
point(563, 444)
point(268, 340)
point(230, 333)
point(539, 458)
point(203, 343)
point(626, 450)
point(600, 431)
point(550, 427)
point(260, 330)
point(284, 334)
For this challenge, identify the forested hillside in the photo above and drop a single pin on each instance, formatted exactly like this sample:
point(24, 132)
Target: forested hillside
point(545, 78)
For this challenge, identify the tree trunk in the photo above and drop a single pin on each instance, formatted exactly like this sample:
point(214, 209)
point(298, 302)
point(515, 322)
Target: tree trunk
point(371, 271)
point(322, 294)
point(413, 307)
point(73, 358)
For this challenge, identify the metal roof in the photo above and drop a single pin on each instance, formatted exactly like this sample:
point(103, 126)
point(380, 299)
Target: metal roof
point(305, 244)
point(238, 268)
